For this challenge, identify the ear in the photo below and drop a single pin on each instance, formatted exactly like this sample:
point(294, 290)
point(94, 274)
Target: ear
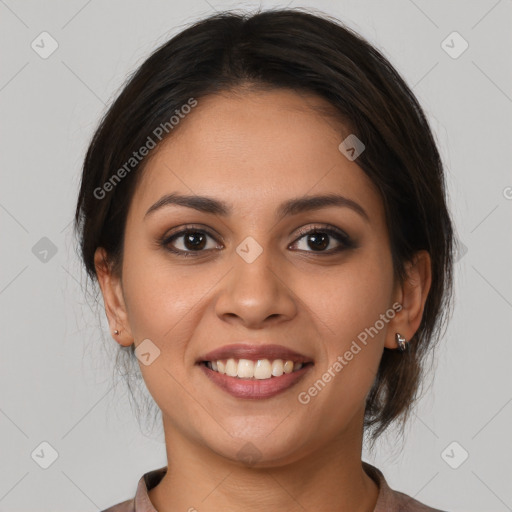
point(113, 298)
point(412, 295)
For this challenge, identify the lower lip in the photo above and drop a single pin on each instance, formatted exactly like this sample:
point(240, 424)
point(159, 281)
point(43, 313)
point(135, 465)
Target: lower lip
point(255, 388)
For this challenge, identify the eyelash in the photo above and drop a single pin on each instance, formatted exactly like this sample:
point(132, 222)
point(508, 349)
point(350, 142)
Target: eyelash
point(341, 237)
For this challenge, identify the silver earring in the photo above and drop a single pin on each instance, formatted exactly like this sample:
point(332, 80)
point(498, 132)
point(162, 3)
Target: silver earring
point(116, 332)
point(402, 344)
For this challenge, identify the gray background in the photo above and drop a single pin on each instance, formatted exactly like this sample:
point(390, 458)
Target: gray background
point(55, 374)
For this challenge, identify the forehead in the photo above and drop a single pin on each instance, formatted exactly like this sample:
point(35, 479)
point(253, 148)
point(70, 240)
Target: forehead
point(254, 151)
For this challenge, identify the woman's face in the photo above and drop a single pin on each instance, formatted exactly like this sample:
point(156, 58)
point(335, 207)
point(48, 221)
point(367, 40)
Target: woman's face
point(247, 276)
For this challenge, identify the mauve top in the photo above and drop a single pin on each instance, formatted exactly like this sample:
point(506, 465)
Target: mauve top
point(388, 500)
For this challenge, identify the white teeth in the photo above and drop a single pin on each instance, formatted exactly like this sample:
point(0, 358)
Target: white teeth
point(248, 369)
point(262, 369)
point(231, 368)
point(288, 367)
point(277, 368)
point(245, 368)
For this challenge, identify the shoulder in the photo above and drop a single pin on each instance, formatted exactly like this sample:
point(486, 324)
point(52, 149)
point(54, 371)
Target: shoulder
point(407, 504)
point(141, 501)
point(125, 506)
point(390, 500)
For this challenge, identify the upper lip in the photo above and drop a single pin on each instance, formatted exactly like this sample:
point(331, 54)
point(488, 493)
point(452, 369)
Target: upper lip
point(248, 351)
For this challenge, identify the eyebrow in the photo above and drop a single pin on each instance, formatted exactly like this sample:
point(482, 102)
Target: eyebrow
point(290, 207)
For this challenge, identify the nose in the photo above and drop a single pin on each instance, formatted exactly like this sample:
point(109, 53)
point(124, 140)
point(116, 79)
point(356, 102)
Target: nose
point(256, 294)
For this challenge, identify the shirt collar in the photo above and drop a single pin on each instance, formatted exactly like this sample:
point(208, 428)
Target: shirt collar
point(387, 498)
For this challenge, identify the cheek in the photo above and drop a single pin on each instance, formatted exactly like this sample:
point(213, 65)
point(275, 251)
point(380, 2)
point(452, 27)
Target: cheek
point(157, 295)
point(162, 306)
point(351, 299)
point(348, 306)
point(347, 313)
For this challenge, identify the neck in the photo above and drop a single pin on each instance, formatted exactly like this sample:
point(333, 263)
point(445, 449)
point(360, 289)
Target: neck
point(330, 478)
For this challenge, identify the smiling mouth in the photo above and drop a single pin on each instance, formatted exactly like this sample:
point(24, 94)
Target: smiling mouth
point(260, 369)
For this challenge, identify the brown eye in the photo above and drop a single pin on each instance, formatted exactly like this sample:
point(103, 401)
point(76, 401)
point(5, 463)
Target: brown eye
point(194, 240)
point(188, 241)
point(321, 240)
point(318, 241)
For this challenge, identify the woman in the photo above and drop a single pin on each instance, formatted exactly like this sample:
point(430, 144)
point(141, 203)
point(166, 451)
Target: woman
point(264, 210)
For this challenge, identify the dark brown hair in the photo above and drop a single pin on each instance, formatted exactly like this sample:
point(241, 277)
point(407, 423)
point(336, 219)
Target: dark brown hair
point(309, 53)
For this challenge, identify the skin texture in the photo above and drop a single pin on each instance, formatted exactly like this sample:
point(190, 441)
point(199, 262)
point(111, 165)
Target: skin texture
point(254, 151)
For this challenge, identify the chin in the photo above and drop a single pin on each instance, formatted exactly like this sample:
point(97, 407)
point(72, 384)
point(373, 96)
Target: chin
point(259, 446)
